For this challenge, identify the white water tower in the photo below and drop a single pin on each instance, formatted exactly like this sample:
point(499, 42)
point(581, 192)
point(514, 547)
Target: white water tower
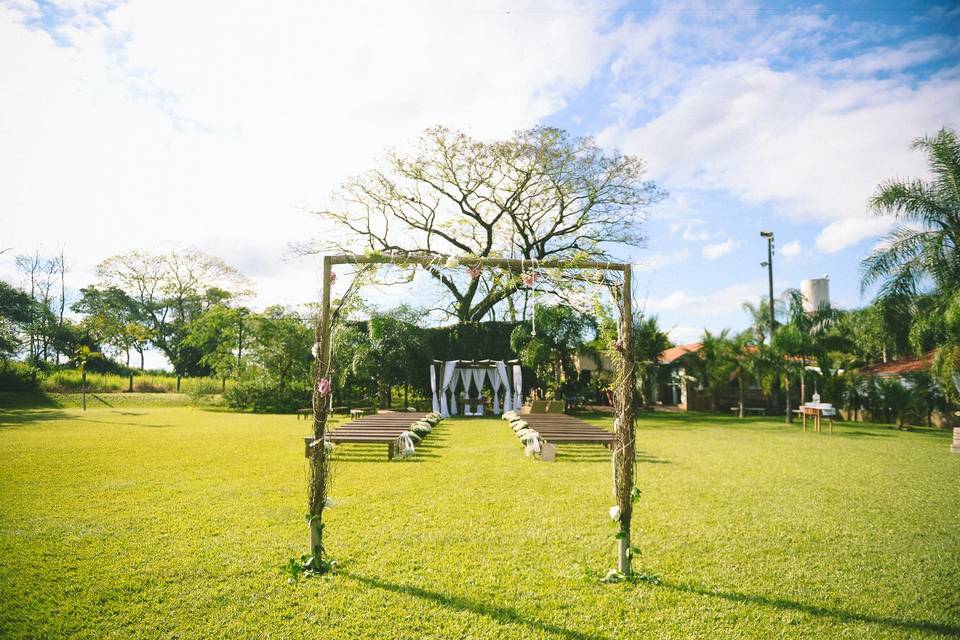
point(816, 293)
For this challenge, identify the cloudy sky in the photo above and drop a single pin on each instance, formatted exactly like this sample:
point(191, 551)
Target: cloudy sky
point(216, 125)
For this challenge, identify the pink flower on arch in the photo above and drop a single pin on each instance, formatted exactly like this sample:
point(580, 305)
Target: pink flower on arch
point(530, 278)
point(323, 387)
point(333, 277)
point(474, 272)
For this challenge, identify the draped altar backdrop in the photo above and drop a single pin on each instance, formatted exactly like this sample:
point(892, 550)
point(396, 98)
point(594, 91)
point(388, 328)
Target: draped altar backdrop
point(452, 377)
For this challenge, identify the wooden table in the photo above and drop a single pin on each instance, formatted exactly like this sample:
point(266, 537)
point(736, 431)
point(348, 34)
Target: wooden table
point(816, 413)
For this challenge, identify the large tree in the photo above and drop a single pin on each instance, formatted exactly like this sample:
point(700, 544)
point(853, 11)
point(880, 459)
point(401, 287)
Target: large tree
point(115, 319)
point(537, 195)
point(171, 290)
point(16, 311)
point(918, 263)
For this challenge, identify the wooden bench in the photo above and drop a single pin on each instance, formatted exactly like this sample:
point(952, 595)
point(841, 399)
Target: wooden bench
point(561, 428)
point(380, 428)
point(762, 411)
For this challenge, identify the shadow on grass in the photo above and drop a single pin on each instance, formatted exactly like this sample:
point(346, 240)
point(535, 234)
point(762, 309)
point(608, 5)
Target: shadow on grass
point(841, 615)
point(859, 434)
point(16, 418)
point(572, 454)
point(499, 614)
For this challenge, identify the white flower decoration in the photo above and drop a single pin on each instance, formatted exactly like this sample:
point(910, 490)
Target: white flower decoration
point(614, 513)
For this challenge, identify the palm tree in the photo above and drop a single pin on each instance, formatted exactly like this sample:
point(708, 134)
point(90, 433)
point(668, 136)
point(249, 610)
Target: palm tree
point(715, 364)
point(82, 356)
point(923, 255)
point(649, 341)
point(744, 363)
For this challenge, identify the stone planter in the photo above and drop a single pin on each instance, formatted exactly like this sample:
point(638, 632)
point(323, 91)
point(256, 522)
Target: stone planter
point(956, 440)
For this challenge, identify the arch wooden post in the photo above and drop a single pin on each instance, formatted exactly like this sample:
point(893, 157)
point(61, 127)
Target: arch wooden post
point(624, 445)
point(318, 453)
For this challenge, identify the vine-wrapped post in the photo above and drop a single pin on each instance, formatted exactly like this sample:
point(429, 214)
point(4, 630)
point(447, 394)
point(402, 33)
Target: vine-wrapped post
point(318, 452)
point(623, 440)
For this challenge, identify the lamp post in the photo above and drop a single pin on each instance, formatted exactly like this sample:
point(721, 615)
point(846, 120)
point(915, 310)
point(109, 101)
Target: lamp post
point(769, 265)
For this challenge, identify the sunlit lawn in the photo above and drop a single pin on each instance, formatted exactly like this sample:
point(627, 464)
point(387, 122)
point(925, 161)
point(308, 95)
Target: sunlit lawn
point(173, 522)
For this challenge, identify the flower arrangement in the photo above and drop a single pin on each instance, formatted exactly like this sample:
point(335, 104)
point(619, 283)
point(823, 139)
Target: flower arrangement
point(474, 272)
point(530, 278)
point(323, 387)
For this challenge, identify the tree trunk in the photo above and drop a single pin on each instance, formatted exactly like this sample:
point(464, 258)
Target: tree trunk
point(178, 384)
point(130, 385)
point(223, 386)
point(141, 360)
point(803, 382)
point(83, 388)
point(786, 387)
point(740, 386)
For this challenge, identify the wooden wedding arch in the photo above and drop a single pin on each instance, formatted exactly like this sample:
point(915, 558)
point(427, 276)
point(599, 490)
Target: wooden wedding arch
point(624, 449)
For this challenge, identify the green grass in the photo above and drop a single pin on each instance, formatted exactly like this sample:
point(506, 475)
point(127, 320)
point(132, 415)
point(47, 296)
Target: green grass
point(173, 522)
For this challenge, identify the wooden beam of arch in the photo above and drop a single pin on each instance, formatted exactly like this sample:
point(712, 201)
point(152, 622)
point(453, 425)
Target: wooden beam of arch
point(623, 443)
point(438, 260)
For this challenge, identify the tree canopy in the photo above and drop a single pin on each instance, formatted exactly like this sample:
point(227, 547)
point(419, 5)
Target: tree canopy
point(540, 194)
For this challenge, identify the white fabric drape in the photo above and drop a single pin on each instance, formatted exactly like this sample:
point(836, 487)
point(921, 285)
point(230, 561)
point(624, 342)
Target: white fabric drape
point(505, 381)
point(449, 368)
point(478, 376)
point(465, 379)
point(495, 385)
point(433, 388)
point(517, 388)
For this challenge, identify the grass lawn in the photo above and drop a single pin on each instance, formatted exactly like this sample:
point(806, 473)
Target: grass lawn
point(174, 521)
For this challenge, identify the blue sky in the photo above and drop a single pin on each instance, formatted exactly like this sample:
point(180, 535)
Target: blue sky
point(143, 125)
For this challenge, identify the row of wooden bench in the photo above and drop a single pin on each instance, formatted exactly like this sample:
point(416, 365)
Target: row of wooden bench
point(380, 428)
point(561, 428)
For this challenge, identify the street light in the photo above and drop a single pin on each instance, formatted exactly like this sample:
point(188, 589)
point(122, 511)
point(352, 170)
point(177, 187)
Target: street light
point(769, 265)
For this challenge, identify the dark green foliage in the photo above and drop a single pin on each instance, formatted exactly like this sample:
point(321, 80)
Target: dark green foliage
point(278, 374)
point(561, 333)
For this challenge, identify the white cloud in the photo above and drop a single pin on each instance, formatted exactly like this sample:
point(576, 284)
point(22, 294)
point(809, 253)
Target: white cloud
point(716, 250)
point(182, 122)
point(791, 248)
point(719, 302)
point(812, 146)
point(684, 333)
point(656, 261)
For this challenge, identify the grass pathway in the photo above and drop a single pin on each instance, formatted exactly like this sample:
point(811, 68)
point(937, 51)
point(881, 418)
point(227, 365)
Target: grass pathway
point(172, 522)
